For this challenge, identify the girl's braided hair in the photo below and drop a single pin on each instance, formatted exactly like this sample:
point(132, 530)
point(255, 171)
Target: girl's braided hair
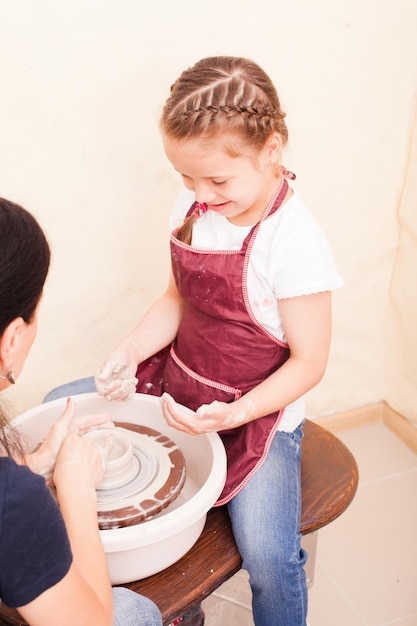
point(228, 97)
point(224, 94)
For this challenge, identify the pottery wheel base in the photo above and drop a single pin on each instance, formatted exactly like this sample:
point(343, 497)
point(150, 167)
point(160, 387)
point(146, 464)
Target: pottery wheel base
point(157, 479)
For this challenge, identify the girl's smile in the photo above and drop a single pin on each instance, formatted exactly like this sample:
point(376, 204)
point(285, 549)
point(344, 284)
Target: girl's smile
point(218, 207)
point(238, 187)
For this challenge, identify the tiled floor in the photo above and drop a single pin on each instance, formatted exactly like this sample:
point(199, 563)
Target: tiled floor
point(366, 563)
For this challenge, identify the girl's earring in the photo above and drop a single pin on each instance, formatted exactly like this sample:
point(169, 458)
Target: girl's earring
point(10, 377)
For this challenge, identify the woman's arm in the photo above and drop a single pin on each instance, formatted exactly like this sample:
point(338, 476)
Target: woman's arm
point(157, 328)
point(307, 326)
point(83, 597)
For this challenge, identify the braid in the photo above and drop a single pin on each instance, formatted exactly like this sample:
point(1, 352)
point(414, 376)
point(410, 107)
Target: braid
point(224, 94)
point(185, 231)
point(257, 119)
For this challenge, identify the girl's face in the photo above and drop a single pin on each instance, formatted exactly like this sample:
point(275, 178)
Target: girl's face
point(238, 188)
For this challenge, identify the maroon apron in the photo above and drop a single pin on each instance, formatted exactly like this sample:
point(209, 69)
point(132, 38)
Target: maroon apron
point(221, 351)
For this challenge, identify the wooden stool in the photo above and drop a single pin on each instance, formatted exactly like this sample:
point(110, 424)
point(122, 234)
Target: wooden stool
point(329, 482)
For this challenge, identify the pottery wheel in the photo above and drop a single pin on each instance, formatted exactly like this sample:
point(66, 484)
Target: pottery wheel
point(157, 478)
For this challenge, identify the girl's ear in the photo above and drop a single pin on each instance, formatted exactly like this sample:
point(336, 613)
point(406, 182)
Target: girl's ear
point(272, 148)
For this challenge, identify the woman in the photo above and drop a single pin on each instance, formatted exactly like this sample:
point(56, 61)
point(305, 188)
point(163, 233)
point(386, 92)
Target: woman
point(52, 564)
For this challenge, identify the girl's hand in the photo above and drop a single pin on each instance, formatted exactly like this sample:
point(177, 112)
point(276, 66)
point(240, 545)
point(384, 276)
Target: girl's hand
point(80, 462)
point(42, 461)
point(208, 417)
point(116, 378)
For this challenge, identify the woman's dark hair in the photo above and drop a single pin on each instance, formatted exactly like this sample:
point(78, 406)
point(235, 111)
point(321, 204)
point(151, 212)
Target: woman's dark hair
point(24, 265)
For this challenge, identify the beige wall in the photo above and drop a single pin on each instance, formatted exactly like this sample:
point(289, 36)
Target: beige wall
point(401, 344)
point(82, 83)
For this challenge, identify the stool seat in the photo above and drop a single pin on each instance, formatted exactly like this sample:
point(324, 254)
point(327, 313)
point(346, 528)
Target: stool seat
point(329, 475)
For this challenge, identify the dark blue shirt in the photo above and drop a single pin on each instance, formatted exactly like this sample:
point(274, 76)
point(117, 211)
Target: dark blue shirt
point(34, 547)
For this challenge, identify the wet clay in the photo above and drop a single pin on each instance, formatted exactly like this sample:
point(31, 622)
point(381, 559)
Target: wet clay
point(158, 477)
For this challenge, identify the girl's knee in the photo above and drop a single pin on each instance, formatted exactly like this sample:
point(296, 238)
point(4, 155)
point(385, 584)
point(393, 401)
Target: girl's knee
point(279, 559)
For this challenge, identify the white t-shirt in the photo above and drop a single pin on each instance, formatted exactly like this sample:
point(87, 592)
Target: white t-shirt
point(290, 257)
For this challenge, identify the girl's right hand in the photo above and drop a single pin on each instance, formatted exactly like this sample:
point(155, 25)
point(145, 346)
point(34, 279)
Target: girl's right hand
point(116, 378)
point(80, 461)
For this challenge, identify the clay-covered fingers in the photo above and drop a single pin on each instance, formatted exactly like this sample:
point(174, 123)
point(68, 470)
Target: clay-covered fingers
point(207, 418)
point(44, 458)
point(182, 418)
point(116, 378)
point(81, 462)
point(85, 423)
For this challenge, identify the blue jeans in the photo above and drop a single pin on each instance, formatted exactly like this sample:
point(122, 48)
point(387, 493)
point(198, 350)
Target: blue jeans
point(82, 385)
point(132, 609)
point(265, 519)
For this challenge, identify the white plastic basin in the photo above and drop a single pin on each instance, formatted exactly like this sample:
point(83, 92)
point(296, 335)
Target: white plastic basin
point(135, 552)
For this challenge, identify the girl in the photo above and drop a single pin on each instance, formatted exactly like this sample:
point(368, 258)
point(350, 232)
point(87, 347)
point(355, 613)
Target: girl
point(52, 564)
point(243, 329)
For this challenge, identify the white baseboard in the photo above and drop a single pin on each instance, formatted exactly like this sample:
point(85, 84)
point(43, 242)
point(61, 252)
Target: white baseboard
point(381, 413)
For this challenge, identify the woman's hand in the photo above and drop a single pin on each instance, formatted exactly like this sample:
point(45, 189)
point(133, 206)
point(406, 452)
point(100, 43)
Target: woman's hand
point(116, 378)
point(208, 417)
point(80, 462)
point(42, 461)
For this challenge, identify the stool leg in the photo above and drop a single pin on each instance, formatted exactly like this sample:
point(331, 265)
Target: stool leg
point(309, 543)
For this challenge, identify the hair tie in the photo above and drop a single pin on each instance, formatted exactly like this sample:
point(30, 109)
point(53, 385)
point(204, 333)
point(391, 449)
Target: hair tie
point(287, 174)
point(199, 209)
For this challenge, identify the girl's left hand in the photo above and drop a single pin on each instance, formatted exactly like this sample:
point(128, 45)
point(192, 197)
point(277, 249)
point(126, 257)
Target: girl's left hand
point(43, 460)
point(208, 417)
